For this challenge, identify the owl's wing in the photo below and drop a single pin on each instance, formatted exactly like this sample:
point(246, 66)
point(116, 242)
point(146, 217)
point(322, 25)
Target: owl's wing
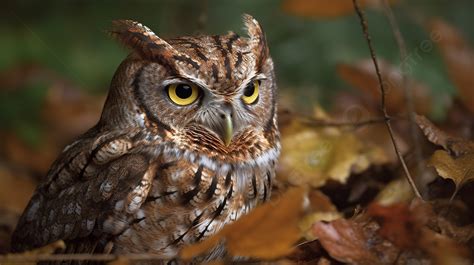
point(92, 192)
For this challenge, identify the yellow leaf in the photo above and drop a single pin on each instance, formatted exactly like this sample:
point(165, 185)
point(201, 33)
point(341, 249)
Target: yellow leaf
point(315, 155)
point(396, 191)
point(267, 232)
point(460, 170)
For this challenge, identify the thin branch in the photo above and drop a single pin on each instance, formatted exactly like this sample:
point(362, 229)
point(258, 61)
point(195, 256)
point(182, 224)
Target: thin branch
point(408, 92)
point(365, 29)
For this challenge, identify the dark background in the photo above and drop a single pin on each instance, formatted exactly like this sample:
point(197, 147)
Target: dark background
point(69, 39)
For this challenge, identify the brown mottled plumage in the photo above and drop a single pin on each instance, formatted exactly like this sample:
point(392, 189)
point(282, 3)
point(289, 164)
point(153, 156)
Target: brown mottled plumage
point(153, 175)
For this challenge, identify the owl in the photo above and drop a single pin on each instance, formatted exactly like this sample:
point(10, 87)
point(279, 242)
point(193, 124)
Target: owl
point(187, 142)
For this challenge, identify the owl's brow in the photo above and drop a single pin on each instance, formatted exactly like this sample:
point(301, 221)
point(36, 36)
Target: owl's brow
point(252, 78)
point(184, 79)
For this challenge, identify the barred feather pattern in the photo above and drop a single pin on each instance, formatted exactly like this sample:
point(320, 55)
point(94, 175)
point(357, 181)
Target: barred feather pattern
point(151, 177)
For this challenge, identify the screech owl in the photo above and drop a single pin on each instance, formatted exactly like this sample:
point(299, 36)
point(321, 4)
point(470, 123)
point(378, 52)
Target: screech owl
point(187, 142)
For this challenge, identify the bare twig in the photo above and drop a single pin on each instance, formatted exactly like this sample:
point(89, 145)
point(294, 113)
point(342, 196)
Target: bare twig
point(408, 92)
point(365, 29)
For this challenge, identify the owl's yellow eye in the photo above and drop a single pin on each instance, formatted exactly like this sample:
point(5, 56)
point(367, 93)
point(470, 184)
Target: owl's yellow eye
point(250, 95)
point(183, 94)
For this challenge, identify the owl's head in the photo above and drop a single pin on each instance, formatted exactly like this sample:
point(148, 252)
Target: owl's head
point(212, 95)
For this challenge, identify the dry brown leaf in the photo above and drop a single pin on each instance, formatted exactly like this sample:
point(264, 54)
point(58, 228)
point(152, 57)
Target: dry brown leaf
point(362, 76)
point(456, 145)
point(17, 259)
point(324, 8)
point(346, 241)
point(460, 169)
point(459, 59)
point(405, 226)
point(315, 155)
point(267, 232)
point(398, 224)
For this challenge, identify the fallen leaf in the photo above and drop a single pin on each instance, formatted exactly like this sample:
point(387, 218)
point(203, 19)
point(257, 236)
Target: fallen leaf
point(321, 209)
point(459, 59)
point(460, 169)
point(315, 155)
point(455, 145)
point(398, 225)
point(324, 8)
point(405, 226)
point(267, 232)
point(347, 241)
point(362, 76)
point(396, 191)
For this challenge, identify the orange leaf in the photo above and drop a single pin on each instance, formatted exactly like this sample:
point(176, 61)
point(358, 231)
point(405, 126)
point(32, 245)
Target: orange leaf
point(397, 224)
point(267, 232)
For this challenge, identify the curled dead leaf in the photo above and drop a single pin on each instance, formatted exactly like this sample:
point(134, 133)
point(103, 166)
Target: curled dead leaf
point(351, 242)
point(455, 145)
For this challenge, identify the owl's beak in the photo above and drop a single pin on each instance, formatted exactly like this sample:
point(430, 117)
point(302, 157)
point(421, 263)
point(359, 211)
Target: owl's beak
point(228, 129)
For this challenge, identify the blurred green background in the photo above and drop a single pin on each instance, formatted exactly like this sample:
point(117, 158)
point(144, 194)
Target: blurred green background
point(69, 38)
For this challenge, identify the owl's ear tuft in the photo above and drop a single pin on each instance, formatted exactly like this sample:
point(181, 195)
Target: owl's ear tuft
point(257, 41)
point(140, 39)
